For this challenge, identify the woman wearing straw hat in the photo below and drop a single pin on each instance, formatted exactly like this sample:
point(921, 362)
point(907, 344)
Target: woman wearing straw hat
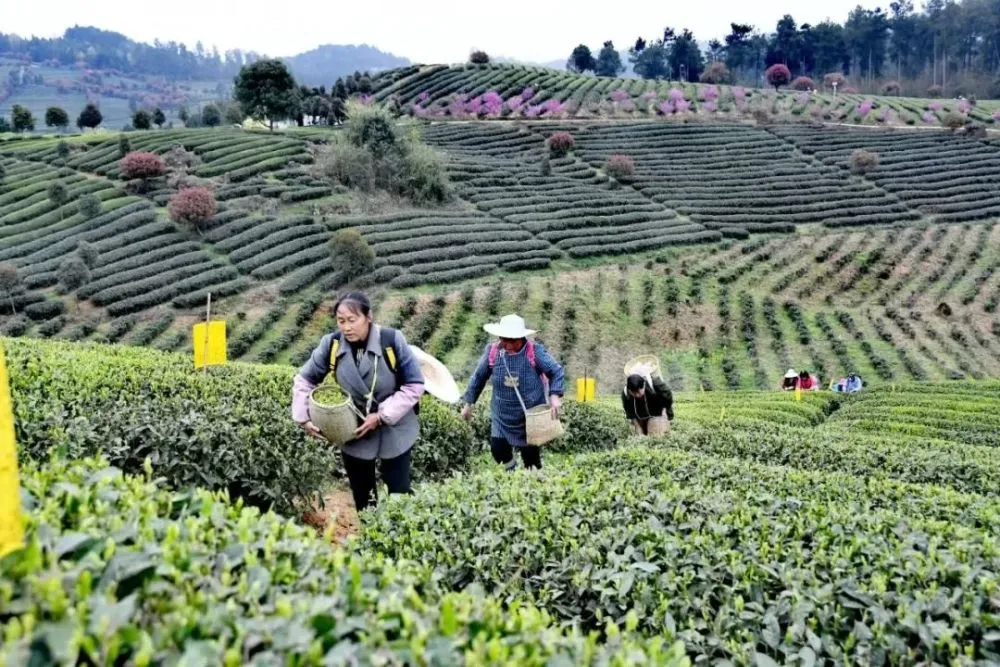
point(645, 398)
point(523, 373)
point(377, 370)
point(790, 381)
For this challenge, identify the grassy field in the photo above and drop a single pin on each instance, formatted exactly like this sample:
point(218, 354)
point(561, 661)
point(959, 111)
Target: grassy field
point(524, 92)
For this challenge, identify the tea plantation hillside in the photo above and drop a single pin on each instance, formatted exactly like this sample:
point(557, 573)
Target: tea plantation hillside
point(746, 250)
point(525, 92)
point(762, 530)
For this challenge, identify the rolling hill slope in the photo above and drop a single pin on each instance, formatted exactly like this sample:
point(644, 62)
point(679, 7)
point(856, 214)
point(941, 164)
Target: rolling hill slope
point(724, 314)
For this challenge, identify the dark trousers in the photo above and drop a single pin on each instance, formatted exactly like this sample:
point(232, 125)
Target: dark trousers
point(503, 452)
point(361, 476)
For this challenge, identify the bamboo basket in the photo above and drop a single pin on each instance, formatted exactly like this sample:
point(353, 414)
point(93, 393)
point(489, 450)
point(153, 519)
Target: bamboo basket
point(657, 426)
point(540, 427)
point(337, 423)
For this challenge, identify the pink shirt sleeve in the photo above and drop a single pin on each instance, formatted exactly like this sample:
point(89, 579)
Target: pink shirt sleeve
point(301, 388)
point(396, 406)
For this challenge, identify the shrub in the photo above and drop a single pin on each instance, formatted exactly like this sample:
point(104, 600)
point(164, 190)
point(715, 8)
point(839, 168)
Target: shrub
point(863, 161)
point(141, 165)
point(953, 121)
point(351, 254)
point(717, 73)
point(479, 58)
point(560, 143)
point(10, 282)
point(778, 75)
point(803, 83)
point(975, 130)
point(620, 167)
point(935, 91)
point(192, 206)
point(545, 165)
point(892, 88)
point(762, 116)
point(44, 310)
point(73, 273)
point(835, 78)
point(89, 205)
point(124, 145)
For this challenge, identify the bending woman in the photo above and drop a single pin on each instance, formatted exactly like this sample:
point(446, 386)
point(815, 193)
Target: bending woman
point(516, 364)
point(375, 367)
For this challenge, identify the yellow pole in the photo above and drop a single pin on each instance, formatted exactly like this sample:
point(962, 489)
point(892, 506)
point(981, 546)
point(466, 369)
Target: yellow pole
point(11, 522)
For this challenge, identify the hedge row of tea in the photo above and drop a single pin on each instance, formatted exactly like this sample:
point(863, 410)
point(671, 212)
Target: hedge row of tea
point(121, 569)
point(764, 530)
point(504, 91)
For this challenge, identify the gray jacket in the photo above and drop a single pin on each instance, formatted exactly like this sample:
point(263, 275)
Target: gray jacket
point(387, 441)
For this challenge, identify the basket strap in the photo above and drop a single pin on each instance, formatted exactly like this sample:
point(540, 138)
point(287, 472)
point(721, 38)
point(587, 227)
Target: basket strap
point(503, 359)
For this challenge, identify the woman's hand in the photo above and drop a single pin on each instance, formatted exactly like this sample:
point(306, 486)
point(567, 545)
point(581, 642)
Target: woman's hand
point(556, 403)
point(467, 412)
point(312, 430)
point(370, 423)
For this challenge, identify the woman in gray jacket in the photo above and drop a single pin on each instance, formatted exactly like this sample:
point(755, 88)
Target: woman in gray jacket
point(375, 367)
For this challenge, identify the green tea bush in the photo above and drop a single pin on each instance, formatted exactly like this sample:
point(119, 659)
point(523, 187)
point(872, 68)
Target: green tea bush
point(228, 429)
point(744, 563)
point(124, 541)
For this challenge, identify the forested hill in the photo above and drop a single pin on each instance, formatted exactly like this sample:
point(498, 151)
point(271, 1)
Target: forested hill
point(324, 64)
point(98, 49)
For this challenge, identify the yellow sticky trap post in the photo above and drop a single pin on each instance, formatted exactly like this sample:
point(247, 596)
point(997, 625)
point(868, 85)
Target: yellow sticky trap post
point(591, 389)
point(798, 394)
point(210, 346)
point(11, 522)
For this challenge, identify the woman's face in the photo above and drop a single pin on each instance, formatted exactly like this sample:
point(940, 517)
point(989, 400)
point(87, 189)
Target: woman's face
point(511, 345)
point(353, 323)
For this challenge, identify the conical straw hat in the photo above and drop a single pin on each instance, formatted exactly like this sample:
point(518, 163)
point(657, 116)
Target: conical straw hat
point(644, 365)
point(437, 378)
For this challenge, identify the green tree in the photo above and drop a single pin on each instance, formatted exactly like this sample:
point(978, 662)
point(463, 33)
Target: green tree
point(10, 282)
point(124, 145)
point(685, 58)
point(649, 60)
point(73, 273)
point(141, 120)
point(609, 62)
point(340, 89)
point(56, 117)
point(22, 119)
point(829, 48)
point(159, 118)
point(211, 116)
point(266, 90)
point(739, 55)
point(581, 60)
point(234, 113)
point(62, 150)
point(88, 254)
point(183, 114)
point(89, 206)
point(4, 125)
point(90, 117)
point(351, 254)
point(58, 194)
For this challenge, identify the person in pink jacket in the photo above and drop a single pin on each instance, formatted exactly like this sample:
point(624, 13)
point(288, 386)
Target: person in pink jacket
point(376, 368)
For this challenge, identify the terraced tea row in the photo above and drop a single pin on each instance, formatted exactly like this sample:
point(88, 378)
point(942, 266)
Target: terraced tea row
point(523, 92)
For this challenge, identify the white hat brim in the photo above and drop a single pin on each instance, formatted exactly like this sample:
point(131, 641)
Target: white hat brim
point(438, 381)
point(494, 329)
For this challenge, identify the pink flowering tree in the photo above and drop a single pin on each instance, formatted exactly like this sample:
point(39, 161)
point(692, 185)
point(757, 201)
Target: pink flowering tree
point(935, 106)
point(682, 105)
point(675, 96)
point(424, 98)
point(801, 98)
point(709, 106)
point(929, 117)
point(533, 111)
point(457, 107)
point(492, 104)
point(963, 106)
point(620, 95)
point(666, 107)
point(192, 206)
point(552, 108)
point(778, 75)
point(816, 111)
point(996, 115)
point(708, 93)
point(865, 108)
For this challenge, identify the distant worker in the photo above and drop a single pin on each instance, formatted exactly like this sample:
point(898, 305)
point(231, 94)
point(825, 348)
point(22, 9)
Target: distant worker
point(853, 384)
point(790, 381)
point(808, 382)
point(523, 374)
point(643, 399)
point(376, 368)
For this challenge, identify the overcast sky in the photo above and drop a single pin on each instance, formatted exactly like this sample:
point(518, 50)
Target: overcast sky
point(429, 31)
